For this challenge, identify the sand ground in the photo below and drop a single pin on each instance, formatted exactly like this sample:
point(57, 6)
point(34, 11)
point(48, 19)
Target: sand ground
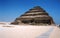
point(29, 31)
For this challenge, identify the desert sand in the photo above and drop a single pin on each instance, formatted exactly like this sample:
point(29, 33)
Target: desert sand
point(28, 31)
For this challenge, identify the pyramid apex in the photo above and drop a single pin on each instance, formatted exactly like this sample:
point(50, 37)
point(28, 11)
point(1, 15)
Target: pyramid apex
point(38, 8)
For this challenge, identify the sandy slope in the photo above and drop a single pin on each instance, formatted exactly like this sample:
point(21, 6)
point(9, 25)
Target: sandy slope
point(55, 33)
point(28, 31)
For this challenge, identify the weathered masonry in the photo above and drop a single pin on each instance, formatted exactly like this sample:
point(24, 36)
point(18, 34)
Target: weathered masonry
point(36, 15)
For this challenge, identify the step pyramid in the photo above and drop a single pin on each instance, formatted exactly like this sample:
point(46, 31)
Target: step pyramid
point(35, 15)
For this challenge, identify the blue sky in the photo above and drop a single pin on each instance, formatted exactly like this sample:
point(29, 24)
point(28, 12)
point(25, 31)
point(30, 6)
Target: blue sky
point(11, 9)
